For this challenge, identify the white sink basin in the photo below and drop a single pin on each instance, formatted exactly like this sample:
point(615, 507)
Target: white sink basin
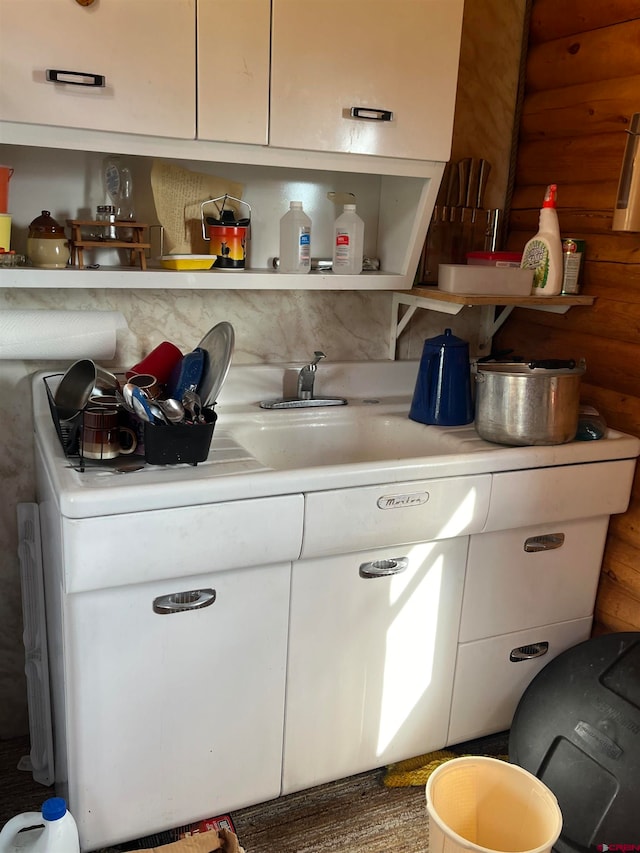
point(362, 433)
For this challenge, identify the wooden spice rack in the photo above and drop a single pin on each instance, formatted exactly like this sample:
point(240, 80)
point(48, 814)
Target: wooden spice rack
point(136, 245)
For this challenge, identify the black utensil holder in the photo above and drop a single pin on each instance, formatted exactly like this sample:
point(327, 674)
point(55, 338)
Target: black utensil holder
point(173, 444)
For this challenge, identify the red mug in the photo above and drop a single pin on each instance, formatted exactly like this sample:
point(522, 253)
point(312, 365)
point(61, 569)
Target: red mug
point(159, 363)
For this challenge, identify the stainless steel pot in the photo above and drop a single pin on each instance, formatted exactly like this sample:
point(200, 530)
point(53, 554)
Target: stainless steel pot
point(524, 404)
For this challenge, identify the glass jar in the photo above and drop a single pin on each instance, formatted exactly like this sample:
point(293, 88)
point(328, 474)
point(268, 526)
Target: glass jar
point(107, 213)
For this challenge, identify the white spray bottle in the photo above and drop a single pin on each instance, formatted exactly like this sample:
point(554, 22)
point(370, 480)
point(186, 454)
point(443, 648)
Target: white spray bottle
point(543, 253)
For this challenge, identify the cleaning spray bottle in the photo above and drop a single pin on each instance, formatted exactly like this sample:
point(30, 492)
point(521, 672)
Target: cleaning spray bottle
point(543, 253)
point(54, 831)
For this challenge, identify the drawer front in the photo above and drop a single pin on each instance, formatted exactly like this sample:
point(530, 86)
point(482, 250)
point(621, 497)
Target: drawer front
point(488, 684)
point(531, 576)
point(168, 544)
point(541, 495)
point(344, 520)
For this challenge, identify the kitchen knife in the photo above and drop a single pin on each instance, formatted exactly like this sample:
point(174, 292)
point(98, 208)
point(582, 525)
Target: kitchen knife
point(463, 212)
point(437, 248)
point(480, 216)
point(484, 168)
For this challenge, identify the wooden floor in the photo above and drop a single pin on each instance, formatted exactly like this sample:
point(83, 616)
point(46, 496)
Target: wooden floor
point(354, 815)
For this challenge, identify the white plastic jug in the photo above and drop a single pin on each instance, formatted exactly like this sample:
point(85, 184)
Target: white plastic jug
point(59, 833)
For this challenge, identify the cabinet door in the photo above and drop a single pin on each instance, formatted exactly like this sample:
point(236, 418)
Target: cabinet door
point(174, 717)
point(233, 70)
point(371, 659)
point(332, 56)
point(130, 65)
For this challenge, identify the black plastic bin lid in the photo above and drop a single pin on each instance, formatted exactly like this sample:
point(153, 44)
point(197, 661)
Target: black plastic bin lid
point(577, 728)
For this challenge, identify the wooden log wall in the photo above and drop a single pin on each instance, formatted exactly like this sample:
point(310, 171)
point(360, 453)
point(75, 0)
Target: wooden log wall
point(582, 84)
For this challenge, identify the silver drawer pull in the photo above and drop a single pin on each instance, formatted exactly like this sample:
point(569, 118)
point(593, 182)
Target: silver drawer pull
point(548, 542)
point(371, 114)
point(76, 78)
point(383, 568)
point(176, 602)
point(535, 650)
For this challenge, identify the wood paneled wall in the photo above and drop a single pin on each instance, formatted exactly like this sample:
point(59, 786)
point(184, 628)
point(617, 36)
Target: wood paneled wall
point(582, 84)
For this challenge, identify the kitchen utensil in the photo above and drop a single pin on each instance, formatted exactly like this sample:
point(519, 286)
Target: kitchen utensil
point(218, 346)
point(528, 404)
point(81, 380)
point(47, 244)
point(173, 410)
point(182, 443)
point(484, 168)
point(458, 214)
point(442, 394)
point(147, 383)
point(141, 405)
point(193, 404)
point(102, 437)
point(227, 232)
point(157, 412)
point(186, 374)
point(123, 402)
point(159, 362)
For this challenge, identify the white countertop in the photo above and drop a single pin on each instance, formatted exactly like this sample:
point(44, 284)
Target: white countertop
point(232, 473)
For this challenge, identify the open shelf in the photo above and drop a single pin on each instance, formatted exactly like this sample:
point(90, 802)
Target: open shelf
point(429, 298)
point(112, 278)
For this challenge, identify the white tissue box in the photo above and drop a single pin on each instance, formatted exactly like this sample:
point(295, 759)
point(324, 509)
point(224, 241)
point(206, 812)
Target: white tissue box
point(484, 280)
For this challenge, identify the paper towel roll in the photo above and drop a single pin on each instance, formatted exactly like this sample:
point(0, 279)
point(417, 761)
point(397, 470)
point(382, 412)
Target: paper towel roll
point(42, 334)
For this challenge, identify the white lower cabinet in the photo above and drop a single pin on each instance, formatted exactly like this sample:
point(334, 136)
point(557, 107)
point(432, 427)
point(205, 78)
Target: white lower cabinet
point(371, 658)
point(171, 715)
point(529, 595)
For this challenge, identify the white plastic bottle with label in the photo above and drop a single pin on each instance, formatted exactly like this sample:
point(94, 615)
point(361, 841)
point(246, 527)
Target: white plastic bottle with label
point(543, 253)
point(348, 242)
point(55, 830)
point(295, 240)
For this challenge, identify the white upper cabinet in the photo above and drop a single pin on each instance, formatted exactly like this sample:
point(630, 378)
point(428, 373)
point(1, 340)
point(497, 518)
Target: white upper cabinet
point(233, 70)
point(373, 77)
point(123, 65)
point(393, 62)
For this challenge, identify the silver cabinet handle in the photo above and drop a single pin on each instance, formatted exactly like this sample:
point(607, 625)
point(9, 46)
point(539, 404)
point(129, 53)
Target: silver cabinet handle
point(371, 114)
point(177, 602)
point(383, 568)
point(548, 542)
point(535, 650)
point(76, 78)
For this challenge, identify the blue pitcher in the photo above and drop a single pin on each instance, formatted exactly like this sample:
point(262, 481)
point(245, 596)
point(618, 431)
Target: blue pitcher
point(442, 395)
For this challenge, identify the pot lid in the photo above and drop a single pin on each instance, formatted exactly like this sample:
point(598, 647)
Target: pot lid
point(45, 225)
point(218, 346)
point(543, 367)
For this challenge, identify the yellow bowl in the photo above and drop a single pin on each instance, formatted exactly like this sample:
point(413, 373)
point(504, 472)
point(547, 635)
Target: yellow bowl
point(187, 262)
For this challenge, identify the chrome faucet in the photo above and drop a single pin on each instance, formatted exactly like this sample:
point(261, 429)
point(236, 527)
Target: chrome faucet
point(307, 377)
point(301, 383)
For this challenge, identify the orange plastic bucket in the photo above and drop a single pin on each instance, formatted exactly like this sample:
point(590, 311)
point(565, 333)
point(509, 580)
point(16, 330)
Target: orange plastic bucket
point(5, 177)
